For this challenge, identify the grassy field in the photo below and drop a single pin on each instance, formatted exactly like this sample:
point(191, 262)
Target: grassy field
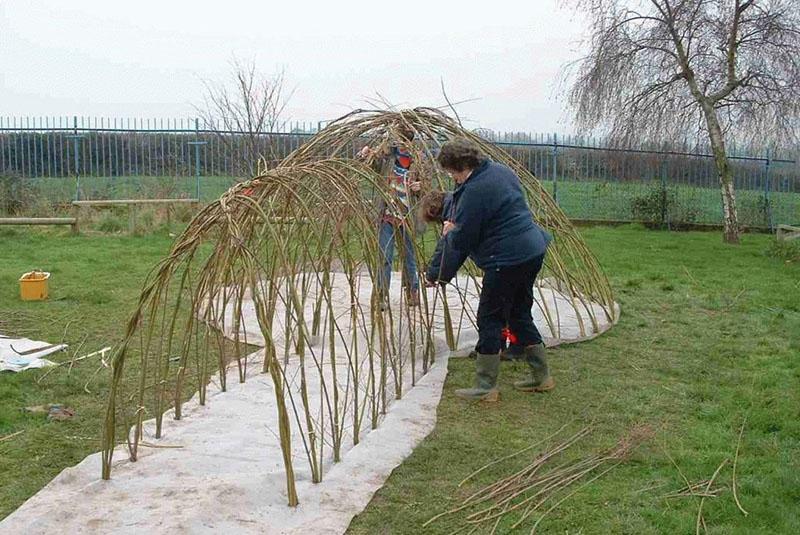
point(585, 199)
point(614, 201)
point(708, 337)
point(95, 284)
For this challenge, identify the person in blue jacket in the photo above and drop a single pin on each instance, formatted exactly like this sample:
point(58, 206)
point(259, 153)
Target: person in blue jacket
point(490, 222)
point(436, 207)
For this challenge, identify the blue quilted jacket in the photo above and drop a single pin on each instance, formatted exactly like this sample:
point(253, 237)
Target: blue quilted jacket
point(494, 226)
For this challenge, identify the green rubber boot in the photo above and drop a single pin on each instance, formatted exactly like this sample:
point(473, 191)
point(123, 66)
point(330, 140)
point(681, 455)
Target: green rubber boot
point(486, 369)
point(540, 380)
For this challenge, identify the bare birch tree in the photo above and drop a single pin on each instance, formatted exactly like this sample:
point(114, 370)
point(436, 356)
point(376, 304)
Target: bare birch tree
point(243, 113)
point(678, 70)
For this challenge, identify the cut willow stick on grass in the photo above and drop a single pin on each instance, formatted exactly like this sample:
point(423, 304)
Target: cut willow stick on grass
point(503, 485)
point(700, 520)
point(549, 484)
point(160, 446)
point(651, 487)
point(75, 354)
point(528, 489)
point(735, 460)
point(103, 365)
point(12, 435)
point(713, 493)
point(562, 500)
point(695, 490)
point(71, 362)
point(511, 456)
point(688, 489)
point(678, 468)
point(545, 495)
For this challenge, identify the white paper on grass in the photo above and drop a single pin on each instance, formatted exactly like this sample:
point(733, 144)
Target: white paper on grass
point(18, 354)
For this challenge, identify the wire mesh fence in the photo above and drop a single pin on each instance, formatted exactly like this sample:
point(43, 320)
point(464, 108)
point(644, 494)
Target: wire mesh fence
point(55, 160)
point(595, 182)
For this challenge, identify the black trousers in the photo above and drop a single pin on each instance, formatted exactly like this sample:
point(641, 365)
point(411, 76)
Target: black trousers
point(507, 297)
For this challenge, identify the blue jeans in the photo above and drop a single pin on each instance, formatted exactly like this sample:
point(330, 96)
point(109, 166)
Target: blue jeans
point(386, 240)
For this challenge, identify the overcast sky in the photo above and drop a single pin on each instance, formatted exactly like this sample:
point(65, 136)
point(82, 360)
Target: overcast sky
point(149, 58)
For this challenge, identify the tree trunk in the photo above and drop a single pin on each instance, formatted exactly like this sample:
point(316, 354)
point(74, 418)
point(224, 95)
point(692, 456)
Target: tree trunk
point(730, 217)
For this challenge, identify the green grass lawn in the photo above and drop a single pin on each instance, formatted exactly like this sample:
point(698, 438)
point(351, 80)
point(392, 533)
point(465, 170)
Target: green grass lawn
point(95, 284)
point(709, 335)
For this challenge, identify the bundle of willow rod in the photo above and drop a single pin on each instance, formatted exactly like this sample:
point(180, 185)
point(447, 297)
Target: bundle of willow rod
point(282, 242)
point(545, 481)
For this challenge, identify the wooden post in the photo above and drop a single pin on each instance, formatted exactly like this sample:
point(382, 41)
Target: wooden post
point(788, 233)
point(76, 212)
point(71, 221)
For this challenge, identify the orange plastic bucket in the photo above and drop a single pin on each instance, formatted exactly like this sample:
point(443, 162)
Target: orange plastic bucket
point(33, 286)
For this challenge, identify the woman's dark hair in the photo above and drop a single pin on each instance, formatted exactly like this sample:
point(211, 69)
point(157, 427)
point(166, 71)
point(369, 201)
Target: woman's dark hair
point(460, 154)
point(431, 206)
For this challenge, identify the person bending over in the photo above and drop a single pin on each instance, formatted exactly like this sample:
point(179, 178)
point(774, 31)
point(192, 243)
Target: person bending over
point(492, 224)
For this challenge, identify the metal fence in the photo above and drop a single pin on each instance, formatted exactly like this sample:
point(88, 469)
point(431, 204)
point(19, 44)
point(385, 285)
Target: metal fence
point(51, 161)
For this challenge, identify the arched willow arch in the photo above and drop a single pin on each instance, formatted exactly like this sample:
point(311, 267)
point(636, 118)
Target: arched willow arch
point(298, 246)
point(570, 267)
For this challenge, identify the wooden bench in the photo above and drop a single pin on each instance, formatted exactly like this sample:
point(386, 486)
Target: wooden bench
point(132, 205)
point(788, 233)
point(71, 221)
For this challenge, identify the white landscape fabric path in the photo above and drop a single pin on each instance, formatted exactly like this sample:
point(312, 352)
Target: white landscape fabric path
point(220, 470)
point(227, 477)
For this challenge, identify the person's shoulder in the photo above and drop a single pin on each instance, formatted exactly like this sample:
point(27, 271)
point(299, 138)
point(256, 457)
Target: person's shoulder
point(489, 172)
point(503, 176)
point(502, 169)
point(490, 169)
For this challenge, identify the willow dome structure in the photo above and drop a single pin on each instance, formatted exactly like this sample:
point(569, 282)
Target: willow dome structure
point(286, 261)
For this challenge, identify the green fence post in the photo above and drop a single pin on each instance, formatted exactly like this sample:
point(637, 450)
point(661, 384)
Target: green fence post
point(767, 187)
point(197, 158)
point(197, 144)
point(555, 168)
point(76, 137)
point(75, 151)
point(664, 214)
